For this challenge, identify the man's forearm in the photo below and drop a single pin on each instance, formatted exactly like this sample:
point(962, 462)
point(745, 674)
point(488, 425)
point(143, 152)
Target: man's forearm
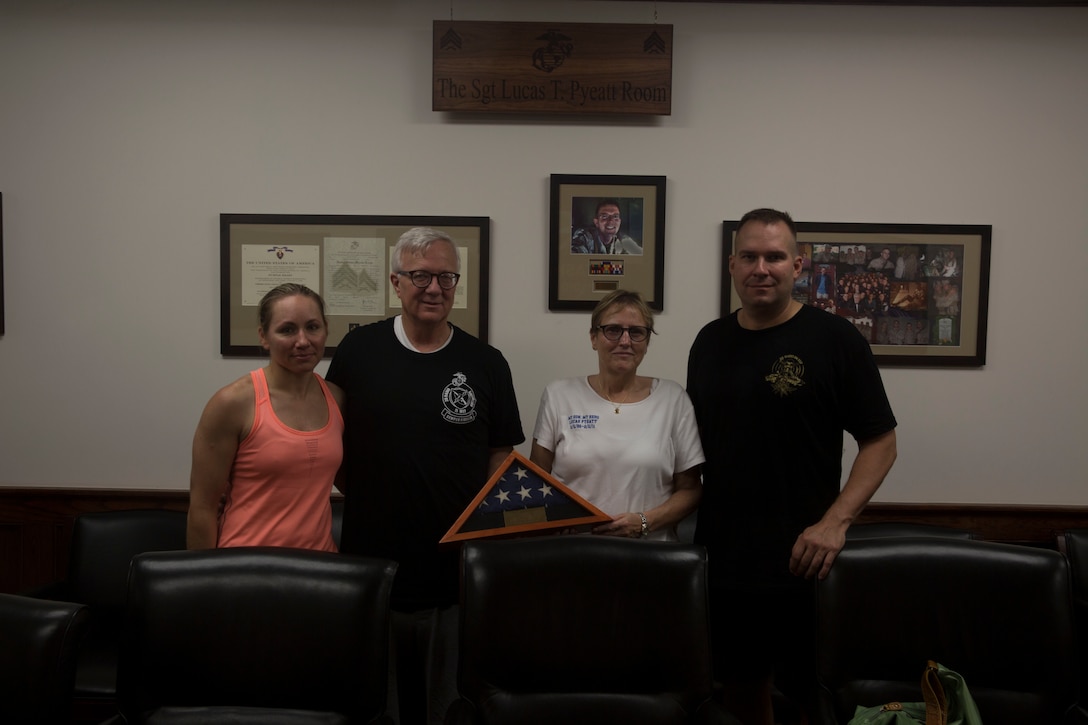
point(874, 460)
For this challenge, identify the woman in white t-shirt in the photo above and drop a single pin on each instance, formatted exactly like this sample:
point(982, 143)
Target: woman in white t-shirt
point(625, 442)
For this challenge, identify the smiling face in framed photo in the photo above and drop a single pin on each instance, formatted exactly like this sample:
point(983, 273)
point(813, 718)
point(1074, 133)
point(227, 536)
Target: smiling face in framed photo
point(606, 226)
point(607, 233)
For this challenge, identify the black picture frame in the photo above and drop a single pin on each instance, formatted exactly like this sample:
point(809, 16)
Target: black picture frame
point(345, 258)
point(936, 278)
point(577, 280)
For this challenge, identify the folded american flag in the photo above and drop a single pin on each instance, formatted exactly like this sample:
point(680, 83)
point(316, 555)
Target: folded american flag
point(521, 498)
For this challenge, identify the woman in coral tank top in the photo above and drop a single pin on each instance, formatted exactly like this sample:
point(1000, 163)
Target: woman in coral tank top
point(269, 445)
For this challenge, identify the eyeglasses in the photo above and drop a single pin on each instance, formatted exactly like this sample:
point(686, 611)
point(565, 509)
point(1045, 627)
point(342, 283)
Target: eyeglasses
point(637, 333)
point(608, 217)
point(422, 279)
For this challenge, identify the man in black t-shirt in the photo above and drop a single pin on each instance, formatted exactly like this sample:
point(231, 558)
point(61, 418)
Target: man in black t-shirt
point(774, 387)
point(430, 415)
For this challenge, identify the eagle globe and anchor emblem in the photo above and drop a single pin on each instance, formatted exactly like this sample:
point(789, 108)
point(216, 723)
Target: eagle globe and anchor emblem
point(459, 400)
point(551, 56)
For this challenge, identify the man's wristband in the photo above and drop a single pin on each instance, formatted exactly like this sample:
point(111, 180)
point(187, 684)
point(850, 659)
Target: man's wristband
point(645, 525)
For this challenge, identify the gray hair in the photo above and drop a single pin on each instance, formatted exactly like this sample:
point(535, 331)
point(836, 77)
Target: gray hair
point(418, 240)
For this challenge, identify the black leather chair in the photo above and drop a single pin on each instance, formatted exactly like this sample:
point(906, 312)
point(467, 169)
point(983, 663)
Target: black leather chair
point(999, 614)
point(38, 640)
point(337, 520)
point(881, 529)
point(685, 530)
point(1074, 544)
point(255, 635)
point(103, 544)
point(584, 629)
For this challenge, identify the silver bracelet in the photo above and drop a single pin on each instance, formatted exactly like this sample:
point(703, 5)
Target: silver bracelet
point(645, 525)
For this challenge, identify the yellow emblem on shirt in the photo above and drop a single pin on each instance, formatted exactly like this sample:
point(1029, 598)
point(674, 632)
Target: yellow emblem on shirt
point(787, 375)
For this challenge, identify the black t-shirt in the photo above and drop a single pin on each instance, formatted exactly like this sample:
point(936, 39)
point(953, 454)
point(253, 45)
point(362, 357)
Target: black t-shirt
point(419, 428)
point(772, 406)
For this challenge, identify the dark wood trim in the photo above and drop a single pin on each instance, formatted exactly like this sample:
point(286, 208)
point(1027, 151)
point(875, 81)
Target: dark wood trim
point(932, 3)
point(36, 527)
point(1031, 525)
point(36, 524)
point(38, 505)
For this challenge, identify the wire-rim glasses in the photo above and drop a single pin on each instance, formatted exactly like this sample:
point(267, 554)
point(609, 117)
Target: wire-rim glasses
point(422, 279)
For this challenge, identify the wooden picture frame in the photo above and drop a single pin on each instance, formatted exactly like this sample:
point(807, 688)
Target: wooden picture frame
point(521, 498)
point(580, 269)
point(1, 263)
point(346, 259)
point(919, 293)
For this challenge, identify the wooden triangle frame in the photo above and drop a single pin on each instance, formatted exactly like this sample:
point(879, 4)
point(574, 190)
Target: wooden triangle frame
point(527, 519)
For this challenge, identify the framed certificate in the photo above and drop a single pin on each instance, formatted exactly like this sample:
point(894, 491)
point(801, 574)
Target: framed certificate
point(345, 259)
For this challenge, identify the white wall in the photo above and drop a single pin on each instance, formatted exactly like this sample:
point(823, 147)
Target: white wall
point(127, 127)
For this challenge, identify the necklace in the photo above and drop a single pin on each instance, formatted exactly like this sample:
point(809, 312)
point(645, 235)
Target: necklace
point(615, 405)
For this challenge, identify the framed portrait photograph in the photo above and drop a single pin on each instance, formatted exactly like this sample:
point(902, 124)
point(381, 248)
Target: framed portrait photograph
point(917, 292)
point(344, 258)
point(607, 233)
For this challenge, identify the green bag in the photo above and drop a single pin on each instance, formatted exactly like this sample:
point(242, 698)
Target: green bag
point(946, 701)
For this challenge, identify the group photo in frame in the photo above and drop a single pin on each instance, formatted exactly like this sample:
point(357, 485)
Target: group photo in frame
point(607, 233)
point(917, 292)
point(344, 258)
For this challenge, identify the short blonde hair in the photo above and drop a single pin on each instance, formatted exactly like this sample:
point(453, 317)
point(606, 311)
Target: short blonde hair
point(619, 299)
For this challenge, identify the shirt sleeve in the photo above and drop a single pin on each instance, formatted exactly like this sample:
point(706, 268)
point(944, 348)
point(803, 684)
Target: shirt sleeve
point(545, 431)
point(506, 429)
point(867, 411)
point(685, 433)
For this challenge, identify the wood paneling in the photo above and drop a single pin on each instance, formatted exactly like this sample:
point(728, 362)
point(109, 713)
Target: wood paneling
point(886, 3)
point(36, 524)
point(36, 527)
point(1031, 525)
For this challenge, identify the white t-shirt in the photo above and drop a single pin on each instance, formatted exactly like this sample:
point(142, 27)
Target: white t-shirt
point(624, 461)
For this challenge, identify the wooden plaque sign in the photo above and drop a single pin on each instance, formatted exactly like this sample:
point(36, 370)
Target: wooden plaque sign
point(579, 68)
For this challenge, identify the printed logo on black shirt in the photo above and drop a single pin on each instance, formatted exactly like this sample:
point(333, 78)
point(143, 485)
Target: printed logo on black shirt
point(787, 375)
point(459, 401)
